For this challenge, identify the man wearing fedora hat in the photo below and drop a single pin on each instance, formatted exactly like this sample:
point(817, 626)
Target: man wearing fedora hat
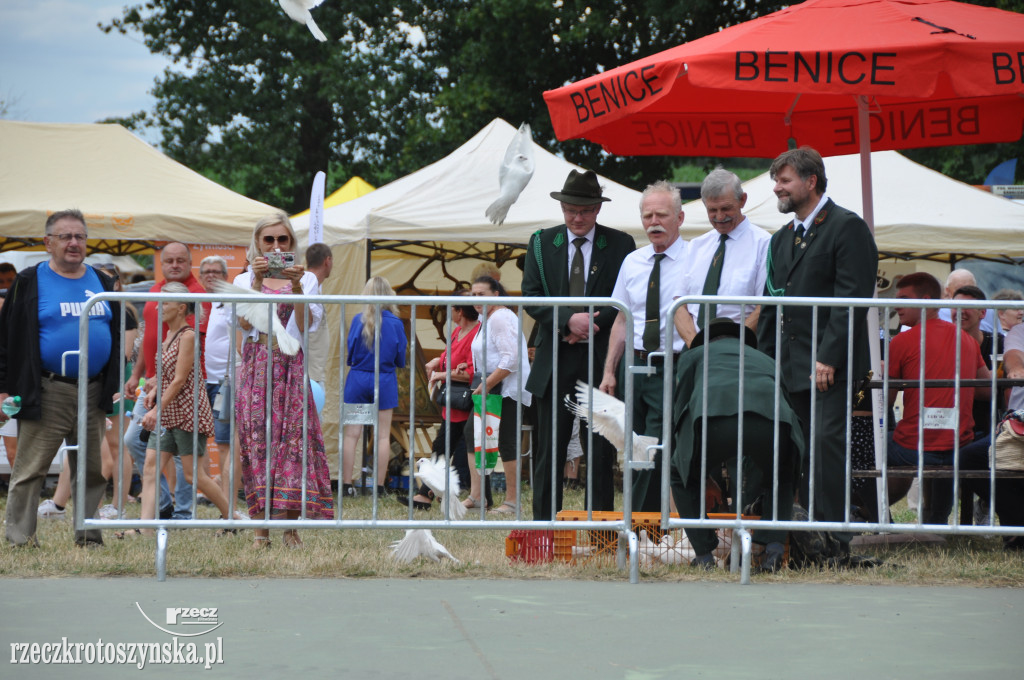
point(719, 421)
point(579, 258)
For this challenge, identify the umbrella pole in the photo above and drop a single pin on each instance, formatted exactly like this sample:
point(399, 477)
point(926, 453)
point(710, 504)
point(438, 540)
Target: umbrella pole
point(878, 400)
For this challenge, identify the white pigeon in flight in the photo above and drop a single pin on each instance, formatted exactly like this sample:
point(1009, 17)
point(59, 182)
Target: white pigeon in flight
point(515, 173)
point(256, 314)
point(299, 11)
point(609, 420)
point(420, 543)
point(433, 475)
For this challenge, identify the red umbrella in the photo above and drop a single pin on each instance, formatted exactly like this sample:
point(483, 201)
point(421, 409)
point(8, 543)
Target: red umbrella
point(927, 72)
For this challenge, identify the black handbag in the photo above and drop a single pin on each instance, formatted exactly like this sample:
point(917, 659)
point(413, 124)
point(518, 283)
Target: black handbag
point(461, 396)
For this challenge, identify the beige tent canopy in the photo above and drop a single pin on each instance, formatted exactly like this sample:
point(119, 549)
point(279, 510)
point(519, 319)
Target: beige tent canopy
point(128, 190)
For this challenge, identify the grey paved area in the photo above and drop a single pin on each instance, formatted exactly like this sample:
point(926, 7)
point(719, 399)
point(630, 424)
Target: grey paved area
point(526, 629)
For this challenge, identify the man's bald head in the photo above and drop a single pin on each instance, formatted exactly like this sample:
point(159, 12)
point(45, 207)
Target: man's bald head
point(176, 261)
point(957, 279)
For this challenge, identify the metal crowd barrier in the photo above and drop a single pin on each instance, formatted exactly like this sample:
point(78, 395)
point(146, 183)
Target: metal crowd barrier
point(628, 555)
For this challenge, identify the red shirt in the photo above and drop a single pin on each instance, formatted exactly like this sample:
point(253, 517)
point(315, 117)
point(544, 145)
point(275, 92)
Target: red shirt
point(150, 340)
point(940, 364)
point(462, 353)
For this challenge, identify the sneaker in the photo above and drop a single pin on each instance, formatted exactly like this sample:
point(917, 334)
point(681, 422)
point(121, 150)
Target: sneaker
point(49, 510)
point(108, 511)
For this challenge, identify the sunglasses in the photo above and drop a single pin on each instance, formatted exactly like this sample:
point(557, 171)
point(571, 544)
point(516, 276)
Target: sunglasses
point(271, 240)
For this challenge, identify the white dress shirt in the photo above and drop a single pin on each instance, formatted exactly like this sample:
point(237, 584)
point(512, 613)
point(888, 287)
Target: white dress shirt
point(631, 288)
point(743, 273)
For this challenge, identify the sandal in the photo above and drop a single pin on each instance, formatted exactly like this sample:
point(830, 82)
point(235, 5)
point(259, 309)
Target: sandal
point(471, 503)
point(291, 539)
point(505, 509)
point(127, 533)
point(260, 542)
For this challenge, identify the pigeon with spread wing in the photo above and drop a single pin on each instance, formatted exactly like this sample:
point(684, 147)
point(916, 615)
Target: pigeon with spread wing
point(256, 314)
point(420, 543)
point(299, 11)
point(609, 420)
point(433, 473)
point(515, 173)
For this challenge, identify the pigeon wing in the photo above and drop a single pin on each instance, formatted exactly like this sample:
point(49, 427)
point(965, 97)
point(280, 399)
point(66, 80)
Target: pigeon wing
point(609, 415)
point(256, 314)
point(415, 544)
point(437, 550)
point(514, 174)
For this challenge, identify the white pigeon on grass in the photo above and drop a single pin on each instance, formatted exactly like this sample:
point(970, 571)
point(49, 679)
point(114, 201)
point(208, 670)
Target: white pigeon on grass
point(299, 11)
point(256, 314)
point(609, 420)
point(515, 173)
point(420, 543)
point(433, 473)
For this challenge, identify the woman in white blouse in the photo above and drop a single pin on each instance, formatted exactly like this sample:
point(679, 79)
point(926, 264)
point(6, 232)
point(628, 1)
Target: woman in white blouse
point(500, 357)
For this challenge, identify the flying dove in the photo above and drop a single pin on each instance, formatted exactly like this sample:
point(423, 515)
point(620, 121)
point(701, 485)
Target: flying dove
point(299, 11)
point(420, 543)
point(433, 474)
point(609, 420)
point(256, 314)
point(515, 173)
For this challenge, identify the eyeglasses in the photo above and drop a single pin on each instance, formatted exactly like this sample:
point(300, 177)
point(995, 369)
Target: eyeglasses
point(271, 240)
point(211, 272)
point(573, 214)
point(64, 238)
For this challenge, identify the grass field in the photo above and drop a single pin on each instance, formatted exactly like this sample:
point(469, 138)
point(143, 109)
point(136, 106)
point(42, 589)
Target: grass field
point(352, 553)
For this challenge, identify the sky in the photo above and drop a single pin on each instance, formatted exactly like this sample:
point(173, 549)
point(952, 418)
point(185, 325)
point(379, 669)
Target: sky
point(57, 66)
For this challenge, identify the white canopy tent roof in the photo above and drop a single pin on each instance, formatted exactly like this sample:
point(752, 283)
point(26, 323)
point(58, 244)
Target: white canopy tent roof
point(445, 201)
point(917, 211)
point(126, 188)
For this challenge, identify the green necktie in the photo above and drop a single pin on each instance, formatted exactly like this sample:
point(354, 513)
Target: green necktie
point(652, 324)
point(714, 278)
point(577, 283)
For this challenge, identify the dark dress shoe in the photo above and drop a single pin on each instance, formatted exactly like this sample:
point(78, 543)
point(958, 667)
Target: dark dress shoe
point(706, 562)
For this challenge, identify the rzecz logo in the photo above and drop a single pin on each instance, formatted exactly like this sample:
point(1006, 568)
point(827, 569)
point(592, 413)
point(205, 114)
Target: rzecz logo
point(180, 620)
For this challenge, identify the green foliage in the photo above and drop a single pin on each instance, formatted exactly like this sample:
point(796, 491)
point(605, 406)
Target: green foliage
point(254, 102)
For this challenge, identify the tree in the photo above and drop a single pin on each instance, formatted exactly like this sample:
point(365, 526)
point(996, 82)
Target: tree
point(256, 104)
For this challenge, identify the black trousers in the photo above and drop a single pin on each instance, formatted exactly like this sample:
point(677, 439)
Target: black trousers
point(572, 366)
point(758, 464)
point(829, 453)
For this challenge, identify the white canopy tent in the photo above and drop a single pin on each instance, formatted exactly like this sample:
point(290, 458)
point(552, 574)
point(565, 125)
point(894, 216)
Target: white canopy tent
point(127, 189)
point(918, 212)
point(445, 201)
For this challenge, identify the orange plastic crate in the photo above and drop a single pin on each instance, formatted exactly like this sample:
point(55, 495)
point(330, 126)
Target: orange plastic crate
point(529, 545)
point(586, 546)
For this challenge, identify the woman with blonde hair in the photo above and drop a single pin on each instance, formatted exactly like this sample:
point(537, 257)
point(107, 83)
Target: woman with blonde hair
point(364, 360)
point(290, 403)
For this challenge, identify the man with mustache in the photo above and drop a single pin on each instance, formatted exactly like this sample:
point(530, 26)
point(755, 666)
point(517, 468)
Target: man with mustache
point(649, 280)
point(728, 260)
point(827, 251)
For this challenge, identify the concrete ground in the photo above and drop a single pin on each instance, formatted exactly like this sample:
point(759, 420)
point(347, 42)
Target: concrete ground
point(518, 629)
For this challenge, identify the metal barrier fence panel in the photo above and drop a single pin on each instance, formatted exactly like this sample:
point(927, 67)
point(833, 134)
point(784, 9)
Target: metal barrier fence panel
point(741, 525)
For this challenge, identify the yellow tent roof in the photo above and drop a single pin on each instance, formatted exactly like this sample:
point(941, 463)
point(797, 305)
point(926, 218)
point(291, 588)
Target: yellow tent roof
point(354, 188)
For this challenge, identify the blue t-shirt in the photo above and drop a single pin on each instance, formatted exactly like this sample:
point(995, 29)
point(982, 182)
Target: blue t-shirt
point(60, 306)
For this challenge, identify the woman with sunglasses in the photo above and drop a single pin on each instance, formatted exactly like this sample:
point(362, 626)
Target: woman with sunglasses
point(291, 400)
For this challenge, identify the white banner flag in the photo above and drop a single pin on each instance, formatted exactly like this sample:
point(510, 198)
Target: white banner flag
point(316, 209)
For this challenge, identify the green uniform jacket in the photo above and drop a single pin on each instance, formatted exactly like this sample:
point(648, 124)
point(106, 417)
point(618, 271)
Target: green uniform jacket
point(610, 248)
point(723, 392)
point(840, 259)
